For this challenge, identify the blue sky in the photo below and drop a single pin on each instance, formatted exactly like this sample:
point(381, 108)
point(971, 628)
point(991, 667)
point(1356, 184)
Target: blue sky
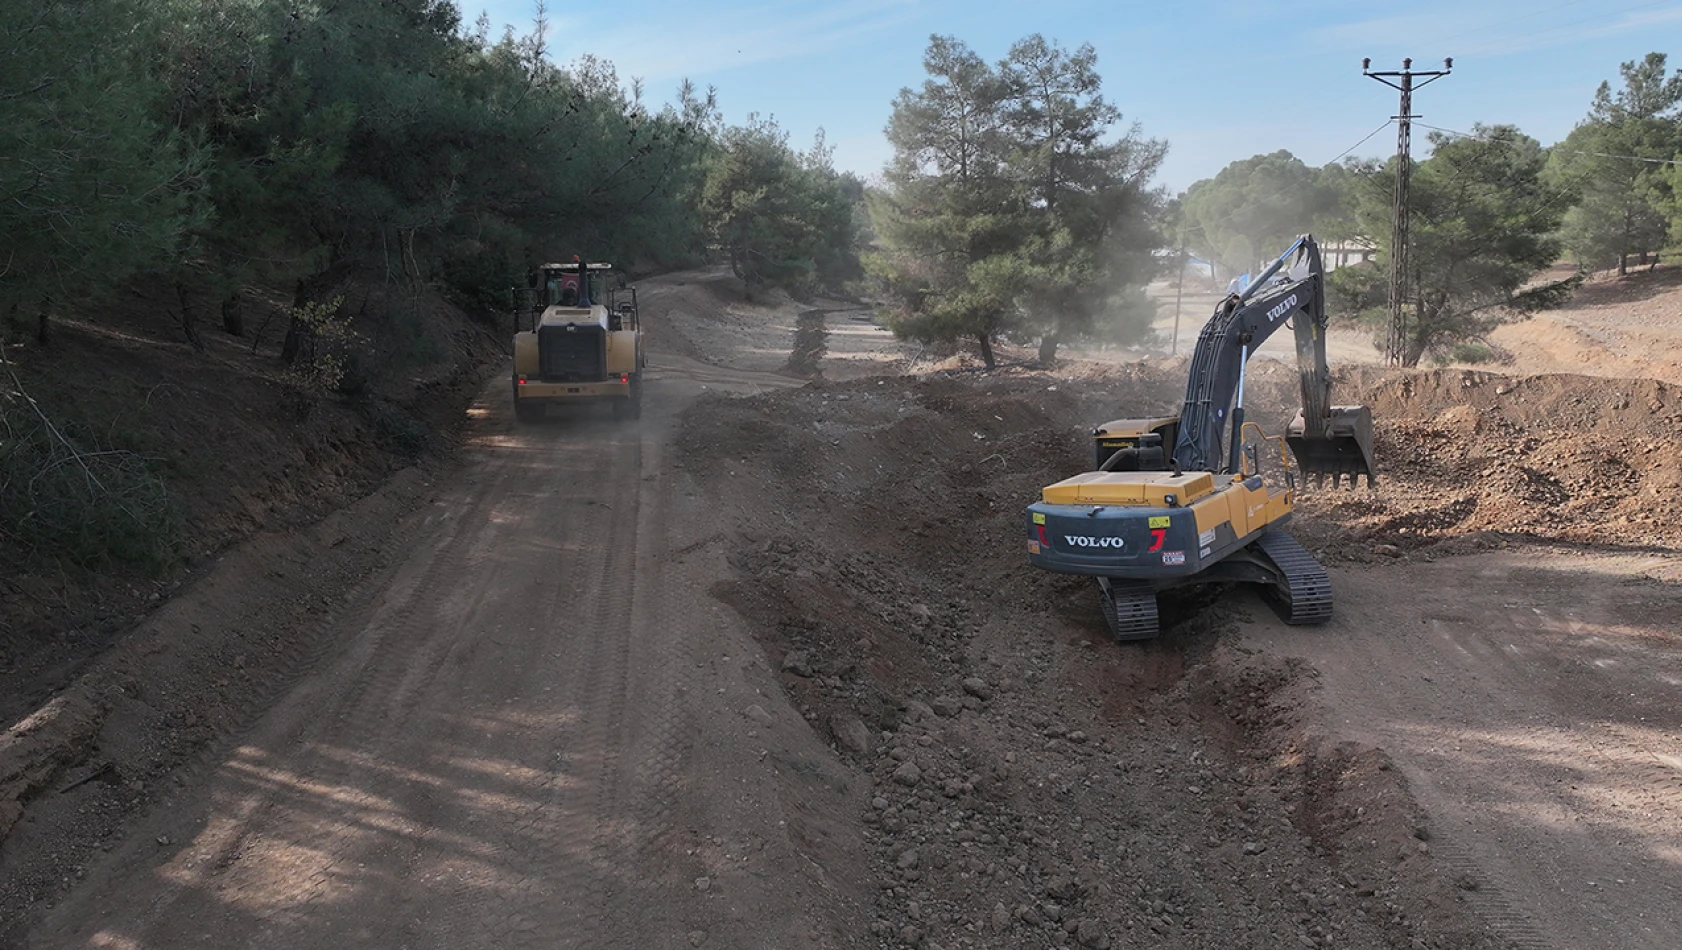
point(1220, 81)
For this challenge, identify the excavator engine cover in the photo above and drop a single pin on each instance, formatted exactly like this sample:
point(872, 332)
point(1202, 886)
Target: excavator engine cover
point(1341, 445)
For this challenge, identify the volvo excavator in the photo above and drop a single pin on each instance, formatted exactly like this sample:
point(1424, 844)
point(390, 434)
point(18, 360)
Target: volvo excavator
point(1181, 499)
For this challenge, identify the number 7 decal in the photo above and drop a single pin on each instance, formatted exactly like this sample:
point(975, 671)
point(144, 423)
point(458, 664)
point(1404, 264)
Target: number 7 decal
point(1157, 534)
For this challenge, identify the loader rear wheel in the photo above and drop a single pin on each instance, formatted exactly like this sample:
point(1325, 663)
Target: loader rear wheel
point(525, 410)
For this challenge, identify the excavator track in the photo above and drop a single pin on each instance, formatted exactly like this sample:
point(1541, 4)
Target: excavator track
point(1129, 608)
point(1304, 592)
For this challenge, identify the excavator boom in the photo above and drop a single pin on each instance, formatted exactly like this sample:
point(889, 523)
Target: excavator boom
point(1326, 439)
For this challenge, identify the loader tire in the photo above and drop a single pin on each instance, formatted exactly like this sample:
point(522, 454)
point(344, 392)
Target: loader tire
point(526, 412)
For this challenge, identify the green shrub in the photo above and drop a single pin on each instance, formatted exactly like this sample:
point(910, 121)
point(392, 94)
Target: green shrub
point(325, 360)
point(1471, 351)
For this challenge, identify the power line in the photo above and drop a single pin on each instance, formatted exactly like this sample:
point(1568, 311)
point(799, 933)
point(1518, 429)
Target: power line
point(1556, 148)
point(1302, 178)
point(1363, 140)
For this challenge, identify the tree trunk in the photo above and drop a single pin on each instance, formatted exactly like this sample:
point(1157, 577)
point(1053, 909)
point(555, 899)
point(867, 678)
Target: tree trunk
point(233, 314)
point(1623, 264)
point(294, 342)
point(1048, 347)
point(41, 322)
point(294, 327)
point(1413, 349)
point(737, 268)
point(985, 340)
point(189, 320)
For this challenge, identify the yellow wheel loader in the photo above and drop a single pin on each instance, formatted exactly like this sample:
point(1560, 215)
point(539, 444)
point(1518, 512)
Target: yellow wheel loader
point(578, 339)
point(1182, 499)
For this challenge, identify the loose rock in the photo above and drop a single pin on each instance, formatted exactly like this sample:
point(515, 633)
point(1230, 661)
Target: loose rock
point(798, 663)
point(851, 733)
point(908, 774)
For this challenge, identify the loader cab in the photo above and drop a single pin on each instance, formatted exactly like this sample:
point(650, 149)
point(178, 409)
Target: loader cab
point(584, 285)
point(558, 289)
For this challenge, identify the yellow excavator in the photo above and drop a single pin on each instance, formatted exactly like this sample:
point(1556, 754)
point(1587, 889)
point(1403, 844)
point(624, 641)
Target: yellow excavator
point(1181, 499)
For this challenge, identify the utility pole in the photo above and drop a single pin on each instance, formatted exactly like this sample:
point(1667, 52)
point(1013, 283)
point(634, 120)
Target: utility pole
point(1396, 349)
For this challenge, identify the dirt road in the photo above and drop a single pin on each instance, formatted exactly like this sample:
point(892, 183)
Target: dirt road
point(534, 735)
point(1532, 700)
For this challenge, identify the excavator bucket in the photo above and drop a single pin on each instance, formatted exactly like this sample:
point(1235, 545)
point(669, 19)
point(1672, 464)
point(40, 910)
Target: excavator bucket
point(1340, 445)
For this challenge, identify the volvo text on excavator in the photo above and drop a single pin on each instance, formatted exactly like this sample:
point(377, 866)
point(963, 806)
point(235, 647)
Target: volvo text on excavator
point(1181, 500)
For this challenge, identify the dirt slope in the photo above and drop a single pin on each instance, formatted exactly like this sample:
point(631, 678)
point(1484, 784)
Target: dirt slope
point(1035, 785)
point(1619, 327)
point(241, 452)
point(1530, 698)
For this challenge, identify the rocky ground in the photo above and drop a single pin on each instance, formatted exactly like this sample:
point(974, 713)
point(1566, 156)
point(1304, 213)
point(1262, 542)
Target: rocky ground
point(1032, 784)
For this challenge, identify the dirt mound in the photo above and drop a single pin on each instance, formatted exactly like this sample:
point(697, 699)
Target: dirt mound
point(1477, 459)
point(1033, 785)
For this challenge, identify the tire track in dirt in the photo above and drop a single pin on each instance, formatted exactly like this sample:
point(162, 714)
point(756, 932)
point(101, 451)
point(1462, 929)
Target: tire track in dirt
point(500, 745)
point(223, 842)
point(564, 833)
point(1529, 700)
point(1488, 900)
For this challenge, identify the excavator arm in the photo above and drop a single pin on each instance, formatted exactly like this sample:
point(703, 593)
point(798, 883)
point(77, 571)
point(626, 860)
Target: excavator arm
point(1326, 439)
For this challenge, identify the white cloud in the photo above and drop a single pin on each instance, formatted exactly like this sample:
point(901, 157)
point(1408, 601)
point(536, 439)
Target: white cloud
point(1575, 32)
point(1385, 32)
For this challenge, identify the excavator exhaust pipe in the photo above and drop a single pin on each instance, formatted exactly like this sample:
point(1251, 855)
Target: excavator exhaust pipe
point(1340, 445)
